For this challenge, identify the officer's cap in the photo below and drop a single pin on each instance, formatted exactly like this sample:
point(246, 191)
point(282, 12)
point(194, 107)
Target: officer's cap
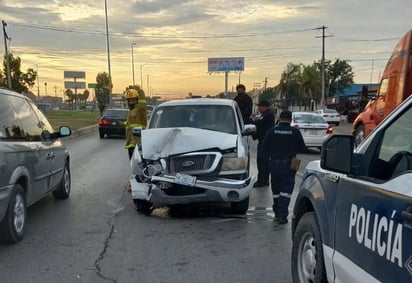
point(285, 115)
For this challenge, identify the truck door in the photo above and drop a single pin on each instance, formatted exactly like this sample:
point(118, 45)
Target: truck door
point(386, 100)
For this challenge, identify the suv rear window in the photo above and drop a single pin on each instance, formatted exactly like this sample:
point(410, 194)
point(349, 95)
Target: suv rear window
point(116, 113)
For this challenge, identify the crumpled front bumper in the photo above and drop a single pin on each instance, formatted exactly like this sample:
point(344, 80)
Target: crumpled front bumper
point(219, 190)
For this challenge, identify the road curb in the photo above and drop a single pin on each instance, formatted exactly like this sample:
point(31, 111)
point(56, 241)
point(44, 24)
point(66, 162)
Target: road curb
point(82, 131)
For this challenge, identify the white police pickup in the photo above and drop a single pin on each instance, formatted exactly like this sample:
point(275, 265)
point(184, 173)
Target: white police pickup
point(352, 219)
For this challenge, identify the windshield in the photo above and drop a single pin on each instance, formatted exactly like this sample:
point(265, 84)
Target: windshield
point(308, 118)
point(209, 117)
point(115, 113)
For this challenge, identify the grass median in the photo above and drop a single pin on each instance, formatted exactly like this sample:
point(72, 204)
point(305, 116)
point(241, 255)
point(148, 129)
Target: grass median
point(75, 119)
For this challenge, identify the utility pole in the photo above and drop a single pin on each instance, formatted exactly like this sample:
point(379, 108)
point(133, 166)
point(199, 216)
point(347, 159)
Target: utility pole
point(265, 83)
point(38, 86)
point(323, 64)
point(6, 37)
point(133, 44)
point(108, 54)
point(370, 81)
point(141, 76)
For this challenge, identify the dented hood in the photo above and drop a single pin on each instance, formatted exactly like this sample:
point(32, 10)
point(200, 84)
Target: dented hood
point(162, 142)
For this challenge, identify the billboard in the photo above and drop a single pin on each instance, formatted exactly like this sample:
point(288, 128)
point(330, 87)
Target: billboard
point(81, 85)
point(226, 64)
point(74, 74)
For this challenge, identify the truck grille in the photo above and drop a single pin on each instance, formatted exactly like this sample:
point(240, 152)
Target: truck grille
point(194, 163)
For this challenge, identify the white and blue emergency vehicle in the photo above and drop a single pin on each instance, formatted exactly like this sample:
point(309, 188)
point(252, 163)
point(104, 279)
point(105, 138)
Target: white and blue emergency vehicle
point(352, 219)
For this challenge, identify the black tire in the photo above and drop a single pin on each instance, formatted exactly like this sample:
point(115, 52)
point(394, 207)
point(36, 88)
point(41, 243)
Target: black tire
point(240, 207)
point(143, 206)
point(63, 189)
point(359, 135)
point(307, 254)
point(101, 134)
point(14, 223)
point(337, 123)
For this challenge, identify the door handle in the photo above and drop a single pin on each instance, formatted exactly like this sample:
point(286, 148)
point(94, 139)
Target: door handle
point(50, 155)
point(407, 216)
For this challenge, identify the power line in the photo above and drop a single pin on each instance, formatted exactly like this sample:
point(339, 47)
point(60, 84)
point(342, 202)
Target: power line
point(156, 35)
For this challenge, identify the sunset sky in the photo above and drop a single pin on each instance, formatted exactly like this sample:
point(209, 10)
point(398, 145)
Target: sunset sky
point(174, 39)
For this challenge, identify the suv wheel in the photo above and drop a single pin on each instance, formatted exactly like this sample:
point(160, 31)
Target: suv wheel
point(240, 207)
point(63, 189)
point(307, 254)
point(13, 225)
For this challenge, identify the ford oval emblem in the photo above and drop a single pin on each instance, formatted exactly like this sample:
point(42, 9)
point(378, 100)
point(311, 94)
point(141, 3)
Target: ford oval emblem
point(188, 163)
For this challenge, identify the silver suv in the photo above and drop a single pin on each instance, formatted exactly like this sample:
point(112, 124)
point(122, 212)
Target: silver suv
point(33, 162)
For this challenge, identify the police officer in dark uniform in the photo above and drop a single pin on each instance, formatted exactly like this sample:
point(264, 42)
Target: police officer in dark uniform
point(281, 144)
point(263, 124)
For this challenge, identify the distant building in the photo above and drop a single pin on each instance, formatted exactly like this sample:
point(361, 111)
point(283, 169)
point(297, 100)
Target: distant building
point(348, 101)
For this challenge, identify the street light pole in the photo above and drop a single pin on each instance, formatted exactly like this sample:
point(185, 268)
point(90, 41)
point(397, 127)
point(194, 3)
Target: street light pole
point(134, 43)
point(148, 89)
point(141, 76)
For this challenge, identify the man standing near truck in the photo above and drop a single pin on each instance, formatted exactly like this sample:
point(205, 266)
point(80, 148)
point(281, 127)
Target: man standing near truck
point(245, 103)
point(263, 124)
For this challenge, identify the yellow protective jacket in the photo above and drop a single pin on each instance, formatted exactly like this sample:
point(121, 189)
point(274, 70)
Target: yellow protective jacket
point(137, 117)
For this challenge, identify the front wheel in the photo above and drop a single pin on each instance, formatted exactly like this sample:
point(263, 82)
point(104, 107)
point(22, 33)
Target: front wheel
point(307, 254)
point(13, 225)
point(240, 207)
point(359, 135)
point(143, 206)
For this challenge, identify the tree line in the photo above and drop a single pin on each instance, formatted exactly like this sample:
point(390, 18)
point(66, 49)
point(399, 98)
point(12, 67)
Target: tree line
point(301, 85)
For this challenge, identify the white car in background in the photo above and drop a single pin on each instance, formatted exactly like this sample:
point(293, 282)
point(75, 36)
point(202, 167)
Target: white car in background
point(330, 115)
point(313, 127)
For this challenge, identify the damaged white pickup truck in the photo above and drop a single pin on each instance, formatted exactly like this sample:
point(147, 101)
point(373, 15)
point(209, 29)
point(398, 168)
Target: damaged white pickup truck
point(193, 151)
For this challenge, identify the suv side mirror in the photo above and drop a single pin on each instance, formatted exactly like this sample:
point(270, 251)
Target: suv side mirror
point(249, 130)
point(65, 131)
point(337, 153)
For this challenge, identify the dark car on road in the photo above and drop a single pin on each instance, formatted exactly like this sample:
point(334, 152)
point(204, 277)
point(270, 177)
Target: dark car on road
point(33, 162)
point(108, 125)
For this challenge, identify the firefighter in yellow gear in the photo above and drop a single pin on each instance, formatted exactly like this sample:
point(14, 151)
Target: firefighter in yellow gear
point(136, 117)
